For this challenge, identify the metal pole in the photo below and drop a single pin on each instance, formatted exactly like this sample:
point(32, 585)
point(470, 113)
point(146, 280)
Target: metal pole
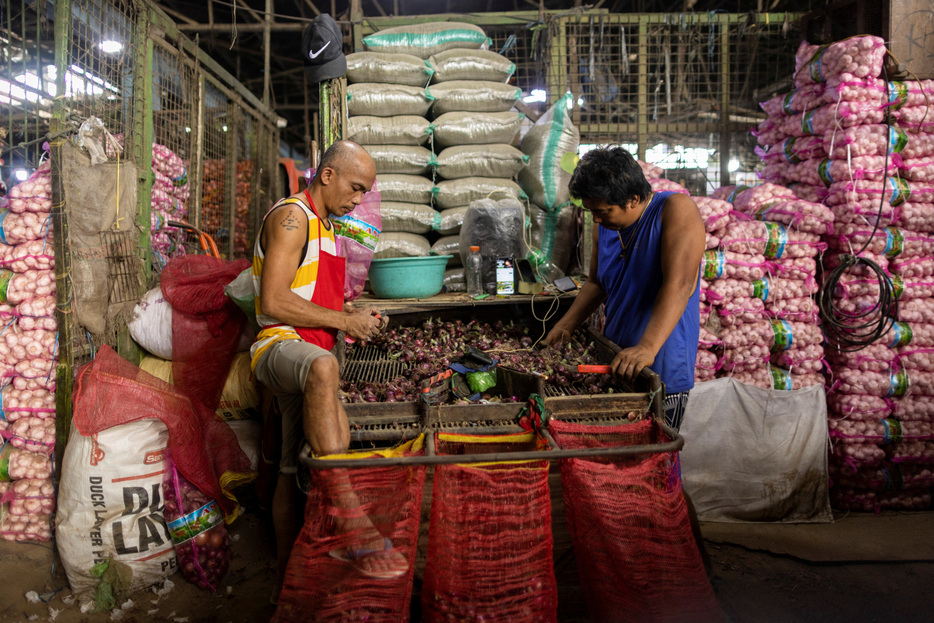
point(725, 87)
point(642, 112)
point(64, 303)
point(267, 40)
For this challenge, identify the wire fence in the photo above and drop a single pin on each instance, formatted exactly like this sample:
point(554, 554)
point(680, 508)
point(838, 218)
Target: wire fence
point(680, 90)
point(180, 130)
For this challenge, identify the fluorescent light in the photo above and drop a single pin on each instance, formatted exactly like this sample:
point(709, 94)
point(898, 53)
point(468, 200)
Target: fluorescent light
point(21, 174)
point(110, 46)
point(733, 165)
point(538, 95)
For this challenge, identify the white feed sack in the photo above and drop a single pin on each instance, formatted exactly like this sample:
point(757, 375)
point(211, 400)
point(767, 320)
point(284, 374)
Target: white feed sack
point(387, 100)
point(110, 504)
point(405, 188)
point(461, 192)
point(401, 244)
point(448, 245)
point(388, 68)
point(451, 220)
point(398, 130)
point(470, 65)
point(472, 96)
point(405, 159)
point(472, 128)
point(546, 143)
point(423, 40)
point(411, 217)
point(503, 161)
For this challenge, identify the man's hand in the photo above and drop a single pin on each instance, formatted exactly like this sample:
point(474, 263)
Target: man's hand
point(559, 334)
point(364, 324)
point(628, 363)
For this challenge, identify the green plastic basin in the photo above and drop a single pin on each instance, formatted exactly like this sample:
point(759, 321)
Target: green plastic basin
point(408, 277)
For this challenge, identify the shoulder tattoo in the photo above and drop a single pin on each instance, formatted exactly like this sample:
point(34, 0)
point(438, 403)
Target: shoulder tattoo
point(290, 222)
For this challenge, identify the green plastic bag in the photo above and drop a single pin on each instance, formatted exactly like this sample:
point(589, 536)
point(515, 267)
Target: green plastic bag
point(481, 381)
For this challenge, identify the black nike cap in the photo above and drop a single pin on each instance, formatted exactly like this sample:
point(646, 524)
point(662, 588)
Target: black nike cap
point(323, 49)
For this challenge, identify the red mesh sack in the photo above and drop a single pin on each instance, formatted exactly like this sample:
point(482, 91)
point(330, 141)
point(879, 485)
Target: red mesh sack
point(327, 578)
point(206, 323)
point(637, 558)
point(110, 391)
point(489, 540)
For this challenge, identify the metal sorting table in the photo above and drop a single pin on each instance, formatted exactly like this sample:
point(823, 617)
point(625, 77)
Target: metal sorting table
point(395, 422)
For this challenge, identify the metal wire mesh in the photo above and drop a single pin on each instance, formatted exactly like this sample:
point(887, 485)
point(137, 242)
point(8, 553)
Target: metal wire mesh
point(680, 90)
point(101, 55)
point(214, 215)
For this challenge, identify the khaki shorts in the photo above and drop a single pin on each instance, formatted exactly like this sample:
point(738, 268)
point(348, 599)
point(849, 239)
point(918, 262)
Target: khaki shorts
point(283, 369)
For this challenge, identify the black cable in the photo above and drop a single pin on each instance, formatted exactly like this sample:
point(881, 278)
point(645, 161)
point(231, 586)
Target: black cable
point(852, 331)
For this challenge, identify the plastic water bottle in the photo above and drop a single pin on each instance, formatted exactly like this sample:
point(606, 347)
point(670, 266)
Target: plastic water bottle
point(473, 271)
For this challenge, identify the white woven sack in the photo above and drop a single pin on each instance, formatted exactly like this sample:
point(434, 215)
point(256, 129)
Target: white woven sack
point(401, 244)
point(470, 65)
point(461, 192)
point(110, 505)
point(546, 143)
point(387, 100)
point(423, 40)
point(406, 159)
point(480, 160)
point(473, 96)
point(473, 128)
point(398, 130)
point(151, 325)
point(406, 188)
point(411, 217)
point(388, 68)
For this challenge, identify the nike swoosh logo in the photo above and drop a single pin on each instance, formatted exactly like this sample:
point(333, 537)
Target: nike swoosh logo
point(314, 55)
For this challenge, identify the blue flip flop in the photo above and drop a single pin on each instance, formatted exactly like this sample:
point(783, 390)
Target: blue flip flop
point(354, 555)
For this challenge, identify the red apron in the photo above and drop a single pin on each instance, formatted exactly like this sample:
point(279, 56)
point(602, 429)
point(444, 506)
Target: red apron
point(329, 290)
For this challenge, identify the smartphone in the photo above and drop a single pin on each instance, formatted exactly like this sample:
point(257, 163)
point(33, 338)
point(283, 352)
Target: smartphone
point(505, 276)
point(525, 271)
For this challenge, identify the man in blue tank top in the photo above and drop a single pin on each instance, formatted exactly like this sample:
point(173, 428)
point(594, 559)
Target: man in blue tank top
point(645, 267)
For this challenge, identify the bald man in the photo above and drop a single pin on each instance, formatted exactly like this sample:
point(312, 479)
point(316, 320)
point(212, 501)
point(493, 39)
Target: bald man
point(298, 280)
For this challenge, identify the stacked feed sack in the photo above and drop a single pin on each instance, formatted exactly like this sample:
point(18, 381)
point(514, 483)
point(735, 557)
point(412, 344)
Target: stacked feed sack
point(762, 278)
point(387, 107)
point(453, 123)
point(28, 356)
point(474, 128)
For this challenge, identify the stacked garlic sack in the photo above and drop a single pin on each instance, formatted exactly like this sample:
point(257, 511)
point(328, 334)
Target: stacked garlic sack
point(28, 352)
point(762, 278)
point(170, 193)
point(847, 137)
point(717, 215)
